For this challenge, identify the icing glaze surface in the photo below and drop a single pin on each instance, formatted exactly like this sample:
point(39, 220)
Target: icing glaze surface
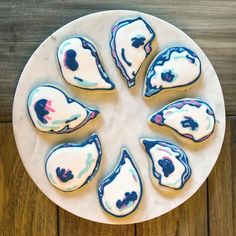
point(69, 166)
point(171, 68)
point(191, 118)
point(168, 164)
point(80, 65)
point(120, 192)
point(51, 110)
point(130, 44)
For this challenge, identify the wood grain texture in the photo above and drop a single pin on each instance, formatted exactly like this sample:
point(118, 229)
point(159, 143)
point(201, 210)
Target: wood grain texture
point(24, 210)
point(221, 186)
point(72, 225)
point(24, 25)
point(188, 219)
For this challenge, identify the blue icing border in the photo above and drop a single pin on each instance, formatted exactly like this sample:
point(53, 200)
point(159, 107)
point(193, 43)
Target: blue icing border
point(92, 139)
point(118, 25)
point(161, 58)
point(107, 180)
point(148, 144)
point(66, 129)
point(88, 45)
point(191, 103)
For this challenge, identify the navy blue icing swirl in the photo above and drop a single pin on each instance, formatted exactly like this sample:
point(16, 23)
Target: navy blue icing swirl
point(160, 61)
point(182, 157)
point(167, 166)
point(167, 76)
point(189, 122)
point(190, 58)
point(124, 57)
point(64, 175)
point(138, 41)
point(71, 63)
point(39, 108)
point(129, 197)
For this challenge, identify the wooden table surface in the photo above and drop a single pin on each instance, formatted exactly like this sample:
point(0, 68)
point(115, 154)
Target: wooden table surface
point(24, 210)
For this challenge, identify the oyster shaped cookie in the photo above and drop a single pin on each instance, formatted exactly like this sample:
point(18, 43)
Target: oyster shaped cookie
point(130, 44)
point(51, 110)
point(120, 192)
point(169, 165)
point(172, 68)
point(80, 65)
point(70, 166)
point(191, 118)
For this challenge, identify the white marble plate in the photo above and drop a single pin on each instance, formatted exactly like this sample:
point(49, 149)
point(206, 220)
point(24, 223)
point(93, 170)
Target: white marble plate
point(122, 121)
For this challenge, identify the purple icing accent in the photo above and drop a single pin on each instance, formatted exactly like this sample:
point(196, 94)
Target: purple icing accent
point(167, 76)
point(64, 175)
point(124, 155)
point(91, 113)
point(160, 60)
point(147, 47)
point(87, 45)
point(92, 139)
point(158, 117)
point(182, 157)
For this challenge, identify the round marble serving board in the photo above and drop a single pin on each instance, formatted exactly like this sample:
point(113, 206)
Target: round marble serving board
point(123, 118)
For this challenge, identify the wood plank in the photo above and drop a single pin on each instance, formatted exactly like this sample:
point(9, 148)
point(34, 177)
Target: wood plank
point(39, 19)
point(221, 186)
point(13, 57)
point(73, 225)
point(24, 210)
point(188, 219)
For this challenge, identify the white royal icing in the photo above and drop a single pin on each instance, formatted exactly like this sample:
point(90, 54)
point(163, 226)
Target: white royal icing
point(168, 164)
point(178, 118)
point(81, 66)
point(124, 179)
point(52, 111)
point(126, 50)
point(174, 67)
point(70, 166)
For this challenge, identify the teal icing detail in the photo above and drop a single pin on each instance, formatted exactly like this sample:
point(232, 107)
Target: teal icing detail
point(30, 100)
point(133, 174)
point(88, 164)
point(55, 122)
point(107, 205)
point(85, 83)
point(179, 57)
point(51, 178)
point(71, 188)
point(209, 123)
point(31, 96)
point(63, 46)
point(131, 203)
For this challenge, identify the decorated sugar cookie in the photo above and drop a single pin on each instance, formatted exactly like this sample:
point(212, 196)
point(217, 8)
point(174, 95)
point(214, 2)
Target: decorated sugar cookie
point(80, 65)
point(173, 67)
point(120, 192)
point(191, 118)
point(130, 44)
point(169, 166)
point(51, 110)
point(70, 166)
